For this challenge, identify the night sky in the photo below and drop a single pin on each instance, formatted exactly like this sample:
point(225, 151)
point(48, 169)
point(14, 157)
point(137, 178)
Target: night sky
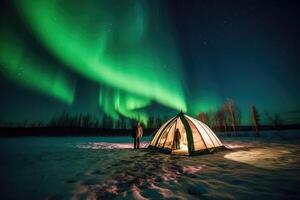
point(143, 58)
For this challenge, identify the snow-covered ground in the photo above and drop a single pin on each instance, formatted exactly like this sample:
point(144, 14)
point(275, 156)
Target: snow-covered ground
point(108, 168)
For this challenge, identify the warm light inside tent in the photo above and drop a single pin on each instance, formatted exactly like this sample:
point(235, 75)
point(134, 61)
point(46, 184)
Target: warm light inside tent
point(183, 146)
point(182, 150)
point(185, 135)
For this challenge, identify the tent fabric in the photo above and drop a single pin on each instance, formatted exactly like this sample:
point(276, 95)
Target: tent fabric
point(195, 137)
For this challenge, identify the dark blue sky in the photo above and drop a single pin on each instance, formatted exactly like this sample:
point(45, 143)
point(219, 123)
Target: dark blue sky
point(244, 50)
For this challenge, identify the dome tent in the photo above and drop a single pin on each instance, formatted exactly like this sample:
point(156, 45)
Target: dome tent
point(195, 137)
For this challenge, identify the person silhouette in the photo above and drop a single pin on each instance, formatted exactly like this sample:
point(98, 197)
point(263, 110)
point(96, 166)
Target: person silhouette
point(138, 135)
point(177, 137)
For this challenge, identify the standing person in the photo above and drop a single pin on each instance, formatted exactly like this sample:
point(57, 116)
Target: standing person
point(177, 137)
point(138, 135)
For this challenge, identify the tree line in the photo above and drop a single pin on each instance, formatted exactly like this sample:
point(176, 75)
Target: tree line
point(89, 121)
point(228, 118)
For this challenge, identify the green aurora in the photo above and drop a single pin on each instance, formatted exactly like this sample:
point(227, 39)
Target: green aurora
point(116, 45)
point(22, 66)
point(114, 102)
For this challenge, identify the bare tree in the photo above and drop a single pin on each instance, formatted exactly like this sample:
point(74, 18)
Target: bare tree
point(220, 119)
point(107, 122)
point(158, 122)
point(230, 110)
point(238, 118)
point(151, 122)
point(96, 123)
point(86, 121)
point(276, 120)
point(211, 120)
point(202, 117)
point(121, 123)
point(79, 120)
point(255, 119)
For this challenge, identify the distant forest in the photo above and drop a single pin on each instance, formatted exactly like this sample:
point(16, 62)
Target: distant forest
point(66, 120)
point(226, 118)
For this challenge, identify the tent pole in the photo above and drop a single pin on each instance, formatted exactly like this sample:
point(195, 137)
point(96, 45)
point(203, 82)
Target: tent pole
point(189, 134)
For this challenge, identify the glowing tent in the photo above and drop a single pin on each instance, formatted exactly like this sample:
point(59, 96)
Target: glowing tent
point(185, 135)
